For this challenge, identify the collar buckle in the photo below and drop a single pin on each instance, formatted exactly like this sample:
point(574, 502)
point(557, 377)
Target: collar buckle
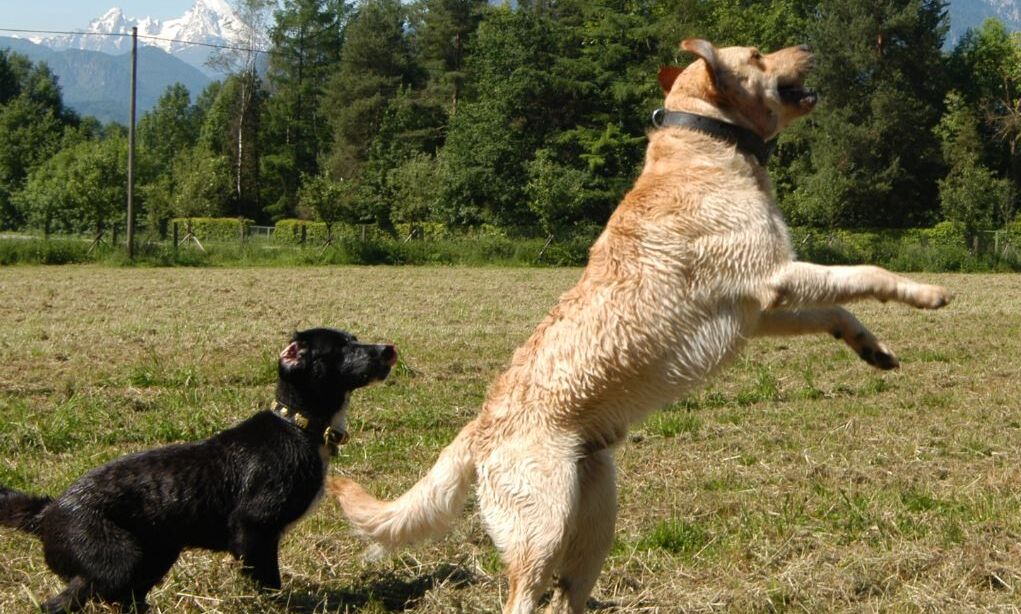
point(332, 438)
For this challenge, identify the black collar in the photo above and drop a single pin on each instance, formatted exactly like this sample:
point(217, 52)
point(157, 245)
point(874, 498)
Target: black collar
point(746, 141)
point(332, 439)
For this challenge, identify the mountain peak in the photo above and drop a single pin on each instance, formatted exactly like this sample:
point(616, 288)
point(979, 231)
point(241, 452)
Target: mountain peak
point(209, 22)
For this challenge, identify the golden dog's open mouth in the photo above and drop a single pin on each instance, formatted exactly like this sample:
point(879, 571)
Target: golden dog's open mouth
point(798, 95)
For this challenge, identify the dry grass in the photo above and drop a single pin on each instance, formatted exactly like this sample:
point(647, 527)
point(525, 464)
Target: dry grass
point(801, 480)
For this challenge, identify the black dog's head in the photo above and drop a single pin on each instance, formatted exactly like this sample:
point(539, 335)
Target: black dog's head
point(321, 366)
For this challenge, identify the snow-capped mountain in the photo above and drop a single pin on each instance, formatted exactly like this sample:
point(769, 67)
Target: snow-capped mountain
point(207, 21)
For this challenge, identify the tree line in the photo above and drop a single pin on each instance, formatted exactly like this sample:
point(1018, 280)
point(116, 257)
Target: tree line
point(530, 118)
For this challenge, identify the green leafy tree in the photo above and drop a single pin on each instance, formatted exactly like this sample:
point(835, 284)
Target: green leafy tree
point(32, 121)
point(416, 190)
point(574, 80)
point(164, 132)
point(986, 69)
point(246, 97)
point(169, 127)
point(29, 134)
point(97, 184)
point(10, 84)
point(82, 188)
point(99, 181)
point(970, 194)
point(329, 201)
point(45, 199)
point(556, 193)
point(231, 129)
point(202, 184)
point(769, 24)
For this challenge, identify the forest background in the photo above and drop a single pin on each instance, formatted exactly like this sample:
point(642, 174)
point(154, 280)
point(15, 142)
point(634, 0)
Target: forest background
point(452, 117)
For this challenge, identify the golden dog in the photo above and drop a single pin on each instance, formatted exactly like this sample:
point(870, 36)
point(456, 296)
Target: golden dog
point(694, 261)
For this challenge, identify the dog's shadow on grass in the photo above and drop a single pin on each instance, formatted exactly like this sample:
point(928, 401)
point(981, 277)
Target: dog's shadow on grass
point(389, 591)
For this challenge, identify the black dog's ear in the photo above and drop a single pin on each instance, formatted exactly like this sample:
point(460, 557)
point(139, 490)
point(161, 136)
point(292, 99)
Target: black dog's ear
point(292, 355)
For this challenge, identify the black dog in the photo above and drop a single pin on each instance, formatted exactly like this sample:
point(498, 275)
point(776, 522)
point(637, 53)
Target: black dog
point(117, 531)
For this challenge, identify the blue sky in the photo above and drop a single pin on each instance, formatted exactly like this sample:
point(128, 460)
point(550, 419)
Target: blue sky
point(76, 14)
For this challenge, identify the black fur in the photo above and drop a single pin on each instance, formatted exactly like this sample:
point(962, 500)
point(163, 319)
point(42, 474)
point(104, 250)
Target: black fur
point(116, 531)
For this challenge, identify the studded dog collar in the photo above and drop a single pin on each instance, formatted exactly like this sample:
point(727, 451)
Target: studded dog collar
point(332, 438)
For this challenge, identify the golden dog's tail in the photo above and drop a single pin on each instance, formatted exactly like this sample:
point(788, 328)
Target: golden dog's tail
point(424, 511)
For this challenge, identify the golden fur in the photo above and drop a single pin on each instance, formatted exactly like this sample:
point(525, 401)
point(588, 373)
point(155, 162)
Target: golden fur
point(694, 261)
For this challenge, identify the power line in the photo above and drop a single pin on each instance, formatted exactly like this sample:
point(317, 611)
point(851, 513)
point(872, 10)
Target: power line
point(125, 35)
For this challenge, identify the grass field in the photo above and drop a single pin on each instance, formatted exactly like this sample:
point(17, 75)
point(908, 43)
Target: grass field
point(800, 480)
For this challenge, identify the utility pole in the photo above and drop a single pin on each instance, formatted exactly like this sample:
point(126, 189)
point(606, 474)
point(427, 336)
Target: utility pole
point(131, 145)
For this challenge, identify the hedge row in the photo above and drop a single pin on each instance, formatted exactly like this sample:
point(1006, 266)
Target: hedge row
point(299, 232)
point(212, 228)
point(307, 232)
point(944, 247)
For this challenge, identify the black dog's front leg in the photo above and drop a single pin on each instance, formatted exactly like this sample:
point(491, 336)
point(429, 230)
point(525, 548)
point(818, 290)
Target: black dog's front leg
point(257, 549)
point(73, 598)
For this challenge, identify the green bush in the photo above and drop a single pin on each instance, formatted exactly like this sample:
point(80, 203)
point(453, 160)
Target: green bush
point(947, 235)
point(1013, 233)
point(299, 232)
point(289, 232)
point(429, 231)
point(218, 229)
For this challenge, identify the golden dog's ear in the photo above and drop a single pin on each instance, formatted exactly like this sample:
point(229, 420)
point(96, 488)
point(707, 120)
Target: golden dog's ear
point(705, 50)
point(667, 76)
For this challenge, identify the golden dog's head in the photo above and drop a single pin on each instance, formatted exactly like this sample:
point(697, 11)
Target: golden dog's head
point(761, 91)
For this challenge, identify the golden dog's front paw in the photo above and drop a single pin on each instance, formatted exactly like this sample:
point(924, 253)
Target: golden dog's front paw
point(931, 297)
point(924, 296)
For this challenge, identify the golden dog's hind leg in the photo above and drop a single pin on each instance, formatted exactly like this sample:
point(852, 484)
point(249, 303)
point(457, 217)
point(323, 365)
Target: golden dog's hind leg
point(836, 321)
point(528, 502)
point(592, 537)
point(805, 284)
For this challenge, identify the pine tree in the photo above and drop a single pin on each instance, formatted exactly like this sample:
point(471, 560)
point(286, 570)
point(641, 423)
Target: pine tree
point(483, 163)
point(871, 157)
point(446, 30)
point(306, 40)
point(376, 61)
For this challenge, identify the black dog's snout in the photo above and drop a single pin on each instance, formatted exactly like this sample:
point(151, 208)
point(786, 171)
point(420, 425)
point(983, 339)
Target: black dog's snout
point(389, 354)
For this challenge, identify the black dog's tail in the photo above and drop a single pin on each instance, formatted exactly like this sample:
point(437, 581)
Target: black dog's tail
point(21, 511)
